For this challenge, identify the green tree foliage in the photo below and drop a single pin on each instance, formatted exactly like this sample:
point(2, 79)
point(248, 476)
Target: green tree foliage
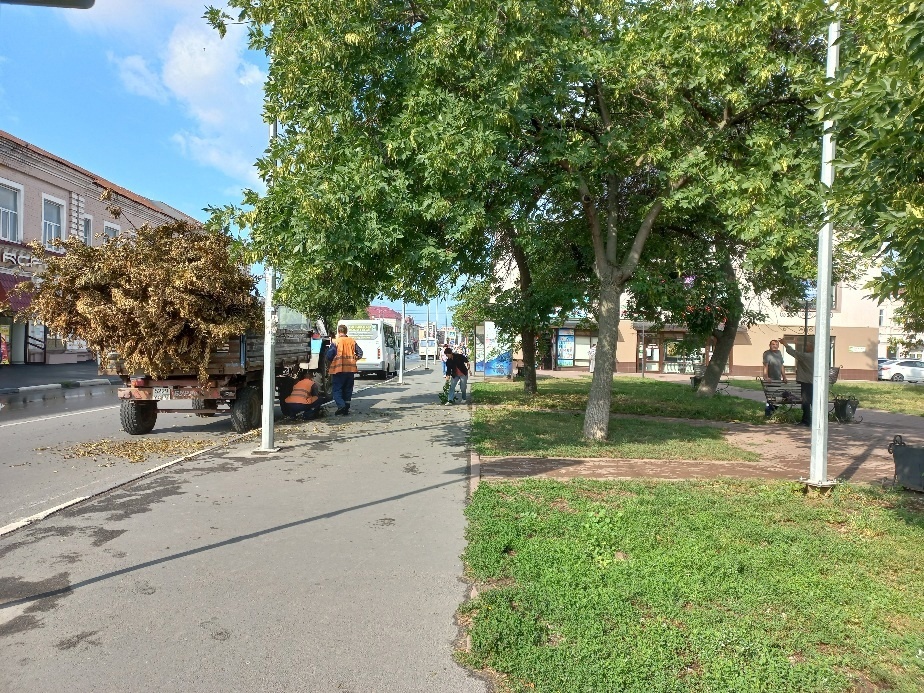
point(413, 131)
point(878, 107)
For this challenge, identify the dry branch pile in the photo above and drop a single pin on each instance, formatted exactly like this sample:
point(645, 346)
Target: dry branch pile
point(163, 299)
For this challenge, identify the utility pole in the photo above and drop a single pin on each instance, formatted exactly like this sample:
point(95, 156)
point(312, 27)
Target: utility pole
point(401, 358)
point(818, 468)
point(267, 444)
point(427, 352)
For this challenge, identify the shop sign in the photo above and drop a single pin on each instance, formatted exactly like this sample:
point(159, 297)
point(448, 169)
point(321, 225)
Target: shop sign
point(17, 257)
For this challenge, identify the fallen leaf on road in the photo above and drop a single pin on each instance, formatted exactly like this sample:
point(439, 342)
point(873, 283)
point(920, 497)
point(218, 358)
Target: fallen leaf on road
point(132, 450)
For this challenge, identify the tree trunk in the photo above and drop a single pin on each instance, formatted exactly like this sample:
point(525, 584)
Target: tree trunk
point(716, 367)
point(725, 339)
point(527, 336)
point(528, 340)
point(597, 416)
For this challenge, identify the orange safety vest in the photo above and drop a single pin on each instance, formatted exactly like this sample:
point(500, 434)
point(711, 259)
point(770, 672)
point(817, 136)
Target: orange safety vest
point(345, 360)
point(301, 393)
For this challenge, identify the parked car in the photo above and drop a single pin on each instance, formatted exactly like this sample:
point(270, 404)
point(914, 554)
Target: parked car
point(904, 369)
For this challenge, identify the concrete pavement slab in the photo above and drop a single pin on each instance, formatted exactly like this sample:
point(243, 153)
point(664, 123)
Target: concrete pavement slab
point(332, 565)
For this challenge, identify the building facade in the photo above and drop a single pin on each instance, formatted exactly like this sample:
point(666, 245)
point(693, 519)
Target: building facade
point(44, 198)
point(643, 347)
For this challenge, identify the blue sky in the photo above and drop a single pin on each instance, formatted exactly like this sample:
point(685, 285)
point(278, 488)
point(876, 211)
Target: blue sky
point(142, 92)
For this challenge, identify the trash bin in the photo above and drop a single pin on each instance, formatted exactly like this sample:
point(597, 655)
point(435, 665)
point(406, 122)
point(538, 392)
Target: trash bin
point(845, 409)
point(909, 464)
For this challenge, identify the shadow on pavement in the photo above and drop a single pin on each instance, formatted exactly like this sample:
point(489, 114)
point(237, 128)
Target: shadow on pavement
point(217, 545)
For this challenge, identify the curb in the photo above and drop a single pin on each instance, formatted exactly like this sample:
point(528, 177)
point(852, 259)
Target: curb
point(25, 522)
point(474, 473)
point(54, 386)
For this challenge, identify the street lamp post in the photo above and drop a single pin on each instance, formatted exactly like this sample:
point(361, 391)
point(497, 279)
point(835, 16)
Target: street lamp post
point(401, 357)
point(267, 443)
point(818, 468)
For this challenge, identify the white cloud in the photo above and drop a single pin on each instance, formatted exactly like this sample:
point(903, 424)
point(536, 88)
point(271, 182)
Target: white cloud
point(220, 154)
point(138, 78)
point(175, 58)
point(136, 21)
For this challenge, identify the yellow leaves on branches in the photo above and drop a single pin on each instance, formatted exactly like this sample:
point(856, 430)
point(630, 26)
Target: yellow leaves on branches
point(162, 298)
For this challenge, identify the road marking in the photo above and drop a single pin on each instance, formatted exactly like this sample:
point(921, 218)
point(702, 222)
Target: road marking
point(56, 416)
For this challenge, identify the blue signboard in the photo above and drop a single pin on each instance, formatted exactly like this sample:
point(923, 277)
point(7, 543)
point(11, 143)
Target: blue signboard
point(500, 365)
point(565, 347)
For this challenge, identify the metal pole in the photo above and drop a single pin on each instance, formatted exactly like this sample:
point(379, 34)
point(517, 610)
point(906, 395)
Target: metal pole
point(818, 470)
point(269, 349)
point(401, 358)
point(644, 353)
point(427, 348)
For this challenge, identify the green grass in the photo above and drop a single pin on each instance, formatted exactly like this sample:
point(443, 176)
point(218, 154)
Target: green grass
point(718, 586)
point(513, 431)
point(639, 396)
point(899, 398)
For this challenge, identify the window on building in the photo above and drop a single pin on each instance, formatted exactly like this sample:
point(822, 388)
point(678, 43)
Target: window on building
point(111, 230)
point(86, 229)
point(881, 317)
point(52, 221)
point(799, 340)
point(10, 215)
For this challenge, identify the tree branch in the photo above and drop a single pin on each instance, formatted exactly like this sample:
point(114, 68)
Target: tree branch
point(634, 254)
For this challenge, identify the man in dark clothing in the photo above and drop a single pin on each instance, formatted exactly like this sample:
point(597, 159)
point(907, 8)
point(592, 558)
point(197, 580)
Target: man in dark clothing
point(805, 370)
point(457, 367)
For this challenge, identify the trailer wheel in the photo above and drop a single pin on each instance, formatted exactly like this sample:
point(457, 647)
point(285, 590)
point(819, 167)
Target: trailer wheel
point(246, 410)
point(205, 404)
point(137, 418)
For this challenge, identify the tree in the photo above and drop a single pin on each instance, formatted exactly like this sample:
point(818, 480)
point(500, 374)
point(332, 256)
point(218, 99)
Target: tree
point(402, 120)
point(878, 196)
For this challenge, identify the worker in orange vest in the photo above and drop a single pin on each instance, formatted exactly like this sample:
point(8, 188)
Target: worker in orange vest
point(304, 401)
point(343, 354)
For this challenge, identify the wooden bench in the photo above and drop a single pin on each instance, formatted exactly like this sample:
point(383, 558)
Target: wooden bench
point(697, 377)
point(789, 394)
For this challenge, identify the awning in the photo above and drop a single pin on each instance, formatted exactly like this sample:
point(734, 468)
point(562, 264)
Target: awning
point(7, 282)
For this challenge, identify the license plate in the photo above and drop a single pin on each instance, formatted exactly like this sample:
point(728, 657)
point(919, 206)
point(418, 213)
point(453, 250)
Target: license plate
point(161, 392)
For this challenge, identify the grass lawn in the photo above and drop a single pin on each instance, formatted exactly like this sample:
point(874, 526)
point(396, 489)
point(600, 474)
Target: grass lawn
point(900, 398)
point(514, 431)
point(719, 586)
point(630, 396)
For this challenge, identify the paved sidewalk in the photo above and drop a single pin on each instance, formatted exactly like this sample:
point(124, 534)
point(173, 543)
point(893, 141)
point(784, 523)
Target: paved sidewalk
point(332, 565)
point(23, 377)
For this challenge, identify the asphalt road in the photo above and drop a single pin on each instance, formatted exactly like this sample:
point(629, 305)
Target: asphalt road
point(42, 431)
point(332, 565)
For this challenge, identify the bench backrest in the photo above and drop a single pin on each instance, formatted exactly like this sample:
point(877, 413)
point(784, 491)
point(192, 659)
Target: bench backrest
point(778, 391)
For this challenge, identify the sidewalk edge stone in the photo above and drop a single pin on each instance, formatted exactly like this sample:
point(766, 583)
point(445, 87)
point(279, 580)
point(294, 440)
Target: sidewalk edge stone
point(25, 522)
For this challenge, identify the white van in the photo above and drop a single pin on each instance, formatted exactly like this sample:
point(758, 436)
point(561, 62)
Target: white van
point(380, 347)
